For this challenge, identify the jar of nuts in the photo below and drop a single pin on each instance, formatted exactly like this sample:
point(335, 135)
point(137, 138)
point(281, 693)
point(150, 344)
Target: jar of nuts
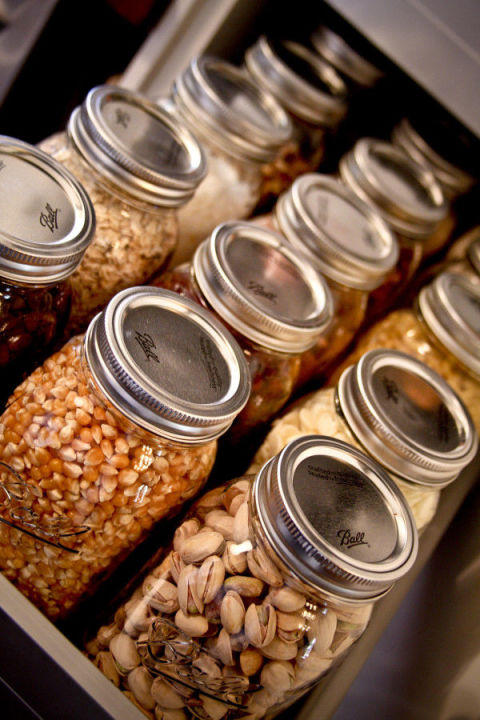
point(314, 96)
point(408, 198)
point(397, 410)
point(270, 298)
point(114, 432)
point(139, 165)
point(269, 582)
point(442, 329)
point(350, 245)
point(47, 222)
point(240, 128)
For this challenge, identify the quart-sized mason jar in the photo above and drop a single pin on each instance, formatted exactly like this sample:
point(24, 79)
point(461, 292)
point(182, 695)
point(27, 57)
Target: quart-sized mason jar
point(349, 244)
point(269, 582)
point(113, 433)
point(315, 98)
point(397, 410)
point(139, 165)
point(47, 222)
point(270, 298)
point(241, 128)
point(442, 329)
point(408, 198)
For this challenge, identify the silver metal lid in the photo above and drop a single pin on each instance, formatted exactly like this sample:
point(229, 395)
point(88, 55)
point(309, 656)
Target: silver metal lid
point(223, 103)
point(473, 252)
point(405, 193)
point(340, 233)
point(47, 219)
point(344, 58)
point(450, 307)
point(302, 82)
point(167, 364)
point(453, 180)
point(137, 146)
point(335, 518)
point(263, 288)
point(407, 417)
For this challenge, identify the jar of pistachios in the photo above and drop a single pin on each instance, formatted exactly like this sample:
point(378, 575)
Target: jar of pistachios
point(139, 165)
point(111, 434)
point(46, 224)
point(269, 582)
point(400, 412)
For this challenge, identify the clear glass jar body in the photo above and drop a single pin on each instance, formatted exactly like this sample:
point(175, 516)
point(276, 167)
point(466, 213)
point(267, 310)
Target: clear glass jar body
point(32, 319)
point(132, 241)
point(404, 330)
point(81, 485)
point(230, 191)
point(274, 374)
point(224, 616)
point(316, 413)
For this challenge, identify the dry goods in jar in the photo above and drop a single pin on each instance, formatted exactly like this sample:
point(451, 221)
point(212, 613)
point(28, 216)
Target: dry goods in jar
point(242, 617)
point(111, 434)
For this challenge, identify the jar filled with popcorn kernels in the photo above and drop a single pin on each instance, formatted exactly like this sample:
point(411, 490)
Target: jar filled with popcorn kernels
point(139, 165)
point(442, 329)
point(269, 583)
point(350, 245)
point(397, 410)
point(241, 128)
point(275, 304)
point(111, 434)
point(408, 198)
point(47, 222)
point(314, 96)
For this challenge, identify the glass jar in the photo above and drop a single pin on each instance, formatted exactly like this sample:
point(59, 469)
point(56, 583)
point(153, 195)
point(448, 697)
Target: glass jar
point(442, 329)
point(314, 96)
point(269, 297)
point(269, 582)
point(114, 432)
point(408, 198)
point(240, 128)
point(349, 244)
point(47, 222)
point(397, 410)
point(138, 166)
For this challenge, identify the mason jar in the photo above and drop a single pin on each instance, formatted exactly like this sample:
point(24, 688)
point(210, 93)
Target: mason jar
point(241, 128)
point(139, 165)
point(349, 244)
point(111, 434)
point(408, 198)
point(397, 410)
point(266, 587)
point(47, 222)
point(442, 329)
point(275, 304)
point(313, 95)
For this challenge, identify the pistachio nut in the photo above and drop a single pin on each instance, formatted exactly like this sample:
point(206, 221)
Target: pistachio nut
point(241, 524)
point(237, 493)
point(163, 570)
point(165, 696)
point(140, 681)
point(160, 594)
point(106, 633)
point(286, 599)
point(137, 618)
point(214, 709)
point(221, 648)
point(290, 626)
point(212, 609)
point(250, 661)
point(310, 667)
point(186, 529)
point(124, 652)
point(193, 625)
point(106, 664)
point(204, 664)
point(209, 501)
point(232, 612)
point(234, 558)
point(235, 503)
point(279, 650)
point(220, 521)
point(244, 585)
point(260, 624)
point(198, 547)
point(176, 565)
point(188, 596)
point(210, 577)
point(321, 630)
point(341, 642)
point(277, 676)
point(359, 615)
point(261, 566)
